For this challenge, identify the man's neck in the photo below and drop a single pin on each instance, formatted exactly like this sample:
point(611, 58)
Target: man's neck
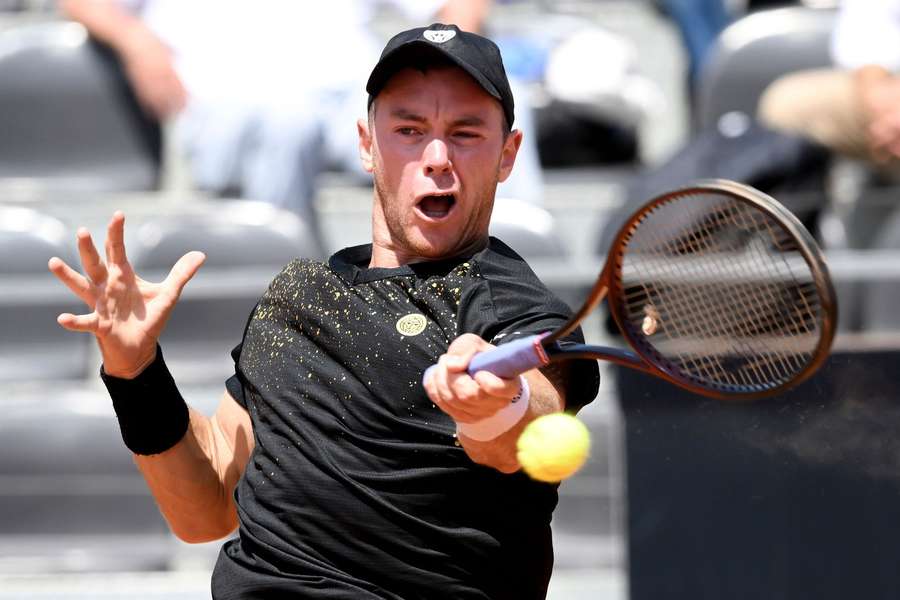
point(388, 257)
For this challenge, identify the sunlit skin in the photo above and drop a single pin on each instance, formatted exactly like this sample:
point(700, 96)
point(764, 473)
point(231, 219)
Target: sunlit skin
point(435, 132)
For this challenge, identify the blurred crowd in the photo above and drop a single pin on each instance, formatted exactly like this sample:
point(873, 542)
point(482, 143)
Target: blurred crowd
point(261, 97)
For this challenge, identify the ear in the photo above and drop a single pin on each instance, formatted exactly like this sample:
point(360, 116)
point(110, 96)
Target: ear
point(365, 145)
point(510, 150)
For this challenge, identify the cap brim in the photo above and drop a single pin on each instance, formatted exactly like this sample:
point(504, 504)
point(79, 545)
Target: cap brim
point(395, 60)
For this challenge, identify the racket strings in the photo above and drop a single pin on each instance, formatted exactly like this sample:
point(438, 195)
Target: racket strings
point(712, 367)
point(803, 319)
point(720, 292)
point(724, 316)
point(749, 318)
point(749, 321)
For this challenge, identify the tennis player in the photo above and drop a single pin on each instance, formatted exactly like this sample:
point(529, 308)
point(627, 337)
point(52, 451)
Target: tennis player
point(344, 478)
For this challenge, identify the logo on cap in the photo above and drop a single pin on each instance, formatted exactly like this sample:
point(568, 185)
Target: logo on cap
point(439, 36)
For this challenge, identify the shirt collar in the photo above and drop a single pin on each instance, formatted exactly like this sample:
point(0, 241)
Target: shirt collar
point(352, 265)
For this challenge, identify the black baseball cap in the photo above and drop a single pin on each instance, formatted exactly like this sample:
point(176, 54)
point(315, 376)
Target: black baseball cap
point(474, 54)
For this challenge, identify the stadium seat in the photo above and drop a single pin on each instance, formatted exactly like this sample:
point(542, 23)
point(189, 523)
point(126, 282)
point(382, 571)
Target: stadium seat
point(246, 244)
point(70, 493)
point(527, 229)
point(531, 231)
point(32, 345)
point(69, 120)
point(233, 234)
point(880, 312)
point(748, 56)
point(754, 51)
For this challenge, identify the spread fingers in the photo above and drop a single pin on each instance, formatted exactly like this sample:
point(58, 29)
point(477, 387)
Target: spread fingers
point(115, 239)
point(83, 323)
point(90, 259)
point(73, 280)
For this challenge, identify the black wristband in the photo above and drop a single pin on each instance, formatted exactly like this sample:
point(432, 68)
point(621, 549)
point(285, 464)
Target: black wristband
point(152, 415)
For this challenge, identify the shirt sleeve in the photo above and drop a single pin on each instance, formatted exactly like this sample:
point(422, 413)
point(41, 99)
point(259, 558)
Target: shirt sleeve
point(511, 303)
point(234, 384)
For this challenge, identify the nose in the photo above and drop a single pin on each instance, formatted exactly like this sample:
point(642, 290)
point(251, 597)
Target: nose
point(436, 158)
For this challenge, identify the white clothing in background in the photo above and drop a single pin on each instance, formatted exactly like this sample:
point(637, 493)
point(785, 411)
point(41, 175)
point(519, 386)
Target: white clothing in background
point(275, 88)
point(867, 32)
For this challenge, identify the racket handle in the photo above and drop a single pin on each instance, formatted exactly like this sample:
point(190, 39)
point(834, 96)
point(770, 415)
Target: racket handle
point(512, 359)
point(508, 360)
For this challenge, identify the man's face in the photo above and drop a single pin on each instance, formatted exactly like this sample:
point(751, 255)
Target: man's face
point(437, 149)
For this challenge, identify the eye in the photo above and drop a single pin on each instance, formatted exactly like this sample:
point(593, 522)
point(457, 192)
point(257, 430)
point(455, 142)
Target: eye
point(407, 131)
point(466, 134)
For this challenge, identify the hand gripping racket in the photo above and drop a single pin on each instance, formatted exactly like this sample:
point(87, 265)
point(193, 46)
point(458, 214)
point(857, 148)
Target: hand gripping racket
point(716, 287)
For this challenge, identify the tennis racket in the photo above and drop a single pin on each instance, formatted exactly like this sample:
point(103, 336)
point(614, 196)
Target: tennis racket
point(716, 287)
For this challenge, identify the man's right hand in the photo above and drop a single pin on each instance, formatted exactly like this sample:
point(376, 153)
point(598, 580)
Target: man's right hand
point(127, 313)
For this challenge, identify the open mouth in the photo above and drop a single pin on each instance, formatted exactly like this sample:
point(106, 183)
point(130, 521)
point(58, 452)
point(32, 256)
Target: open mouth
point(436, 206)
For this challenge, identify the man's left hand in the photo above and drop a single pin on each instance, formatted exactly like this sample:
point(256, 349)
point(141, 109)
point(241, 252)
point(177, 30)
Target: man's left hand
point(465, 398)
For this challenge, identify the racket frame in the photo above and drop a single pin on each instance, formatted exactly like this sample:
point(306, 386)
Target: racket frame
point(642, 356)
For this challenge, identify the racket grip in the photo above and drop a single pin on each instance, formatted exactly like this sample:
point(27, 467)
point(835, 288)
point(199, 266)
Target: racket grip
point(509, 360)
point(512, 359)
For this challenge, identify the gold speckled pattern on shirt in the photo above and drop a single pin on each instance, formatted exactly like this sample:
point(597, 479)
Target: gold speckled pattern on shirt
point(355, 476)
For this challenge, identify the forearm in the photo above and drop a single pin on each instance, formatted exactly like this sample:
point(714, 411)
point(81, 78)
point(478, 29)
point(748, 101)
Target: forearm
point(869, 82)
point(193, 482)
point(191, 463)
point(500, 453)
point(106, 21)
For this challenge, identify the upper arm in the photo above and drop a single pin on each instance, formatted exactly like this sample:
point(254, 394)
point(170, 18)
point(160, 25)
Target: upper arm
point(194, 481)
point(233, 433)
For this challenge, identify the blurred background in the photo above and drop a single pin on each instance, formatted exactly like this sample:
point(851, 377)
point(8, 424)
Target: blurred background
point(229, 127)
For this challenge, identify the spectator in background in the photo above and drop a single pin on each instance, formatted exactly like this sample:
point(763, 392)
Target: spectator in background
point(853, 108)
point(699, 23)
point(266, 92)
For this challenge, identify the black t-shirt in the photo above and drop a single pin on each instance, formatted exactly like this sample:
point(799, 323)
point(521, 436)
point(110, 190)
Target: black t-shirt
point(357, 487)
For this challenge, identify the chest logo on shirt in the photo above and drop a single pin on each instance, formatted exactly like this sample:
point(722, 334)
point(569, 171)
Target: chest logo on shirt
point(411, 324)
point(439, 36)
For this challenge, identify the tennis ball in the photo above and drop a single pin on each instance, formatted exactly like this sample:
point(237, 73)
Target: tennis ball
point(553, 447)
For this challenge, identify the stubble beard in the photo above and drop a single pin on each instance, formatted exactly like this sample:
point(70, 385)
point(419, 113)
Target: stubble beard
point(472, 236)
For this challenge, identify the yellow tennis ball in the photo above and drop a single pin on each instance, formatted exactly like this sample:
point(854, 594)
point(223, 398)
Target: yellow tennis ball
point(553, 447)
